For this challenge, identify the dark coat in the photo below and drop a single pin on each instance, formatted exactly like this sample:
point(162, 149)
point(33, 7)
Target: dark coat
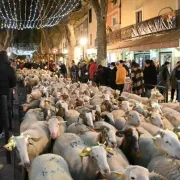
point(164, 77)
point(150, 77)
point(63, 69)
point(177, 73)
point(173, 79)
point(7, 76)
point(112, 78)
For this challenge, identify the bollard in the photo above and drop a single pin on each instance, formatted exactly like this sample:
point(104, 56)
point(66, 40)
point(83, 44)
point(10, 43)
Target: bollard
point(5, 123)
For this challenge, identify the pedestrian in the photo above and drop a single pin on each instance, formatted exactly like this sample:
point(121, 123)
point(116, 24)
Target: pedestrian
point(120, 76)
point(125, 66)
point(164, 77)
point(150, 77)
point(63, 69)
point(74, 72)
point(174, 83)
point(7, 81)
point(92, 69)
point(137, 79)
point(99, 76)
point(112, 75)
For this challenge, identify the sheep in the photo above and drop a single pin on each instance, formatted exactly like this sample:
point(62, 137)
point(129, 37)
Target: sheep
point(32, 105)
point(172, 115)
point(135, 97)
point(105, 136)
point(83, 161)
point(31, 116)
point(174, 106)
point(165, 166)
point(132, 172)
point(165, 142)
point(57, 126)
point(50, 167)
point(159, 121)
point(136, 173)
point(86, 117)
point(31, 143)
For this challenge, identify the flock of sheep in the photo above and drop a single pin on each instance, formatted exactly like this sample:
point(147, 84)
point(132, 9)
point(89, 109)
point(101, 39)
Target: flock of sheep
point(82, 132)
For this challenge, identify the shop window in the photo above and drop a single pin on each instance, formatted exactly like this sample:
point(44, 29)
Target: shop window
point(90, 41)
point(90, 16)
point(114, 22)
point(138, 16)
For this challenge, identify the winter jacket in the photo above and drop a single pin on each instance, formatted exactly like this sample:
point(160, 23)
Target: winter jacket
point(177, 73)
point(121, 74)
point(164, 77)
point(92, 69)
point(173, 79)
point(7, 76)
point(112, 78)
point(150, 77)
point(138, 82)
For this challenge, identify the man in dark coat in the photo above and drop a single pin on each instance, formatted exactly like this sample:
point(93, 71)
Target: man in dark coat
point(63, 69)
point(112, 75)
point(7, 81)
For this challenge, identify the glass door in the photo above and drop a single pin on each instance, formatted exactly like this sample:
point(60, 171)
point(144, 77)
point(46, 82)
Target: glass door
point(140, 58)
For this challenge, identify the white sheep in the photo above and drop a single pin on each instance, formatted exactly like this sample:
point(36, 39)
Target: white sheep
point(49, 167)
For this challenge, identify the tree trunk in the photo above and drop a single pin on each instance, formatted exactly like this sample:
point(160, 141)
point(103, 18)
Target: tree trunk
point(101, 41)
point(71, 42)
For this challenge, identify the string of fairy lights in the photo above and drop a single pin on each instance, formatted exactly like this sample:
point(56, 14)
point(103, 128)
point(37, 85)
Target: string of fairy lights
point(24, 48)
point(30, 14)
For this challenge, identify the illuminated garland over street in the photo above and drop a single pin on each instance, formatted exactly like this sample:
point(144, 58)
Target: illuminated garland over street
point(28, 14)
point(24, 49)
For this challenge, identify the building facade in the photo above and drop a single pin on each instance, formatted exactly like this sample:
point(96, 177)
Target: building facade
point(149, 30)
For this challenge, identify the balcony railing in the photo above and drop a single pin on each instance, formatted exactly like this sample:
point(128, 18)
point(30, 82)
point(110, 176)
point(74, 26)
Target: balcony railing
point(155, 25)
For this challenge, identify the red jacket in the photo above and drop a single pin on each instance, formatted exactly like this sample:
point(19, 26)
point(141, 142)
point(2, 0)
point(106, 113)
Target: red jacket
point(93, 68)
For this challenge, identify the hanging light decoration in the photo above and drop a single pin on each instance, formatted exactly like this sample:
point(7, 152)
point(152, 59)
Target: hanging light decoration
point(22, 49)
point(28, 14)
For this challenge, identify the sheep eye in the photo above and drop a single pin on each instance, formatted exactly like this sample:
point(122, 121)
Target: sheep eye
point(133, 178)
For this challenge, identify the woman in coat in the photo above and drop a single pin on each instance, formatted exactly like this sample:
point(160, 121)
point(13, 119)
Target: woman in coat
point(137, 79)
point(150, 77)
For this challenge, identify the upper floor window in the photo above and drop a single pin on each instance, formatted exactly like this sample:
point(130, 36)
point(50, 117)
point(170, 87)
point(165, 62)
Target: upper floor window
point(139, 16)
point(90, 15)
point(114, 21)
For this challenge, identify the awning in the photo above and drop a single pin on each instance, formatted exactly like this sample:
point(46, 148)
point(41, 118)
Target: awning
point(158, 41)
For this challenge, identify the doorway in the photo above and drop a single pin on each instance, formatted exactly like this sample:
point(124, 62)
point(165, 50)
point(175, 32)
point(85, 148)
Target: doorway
point(165, 56)
point(141, 57)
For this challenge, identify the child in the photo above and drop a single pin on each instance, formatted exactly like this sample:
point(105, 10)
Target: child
point(128, 85)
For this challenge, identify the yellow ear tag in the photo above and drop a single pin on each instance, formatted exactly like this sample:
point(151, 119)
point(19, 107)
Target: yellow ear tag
point(119, 175)
point(109, 150)
point(85, 152)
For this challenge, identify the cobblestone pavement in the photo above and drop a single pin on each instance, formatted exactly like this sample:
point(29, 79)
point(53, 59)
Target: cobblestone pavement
point(12, 171)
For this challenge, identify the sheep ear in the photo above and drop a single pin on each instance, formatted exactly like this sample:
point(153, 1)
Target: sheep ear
point(86, 152)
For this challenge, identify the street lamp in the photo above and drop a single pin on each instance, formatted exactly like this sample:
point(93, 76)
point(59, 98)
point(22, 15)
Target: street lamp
point(83, 42)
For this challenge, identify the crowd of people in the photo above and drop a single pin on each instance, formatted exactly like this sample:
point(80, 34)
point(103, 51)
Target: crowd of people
point(129, 76)
point(122, 75)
